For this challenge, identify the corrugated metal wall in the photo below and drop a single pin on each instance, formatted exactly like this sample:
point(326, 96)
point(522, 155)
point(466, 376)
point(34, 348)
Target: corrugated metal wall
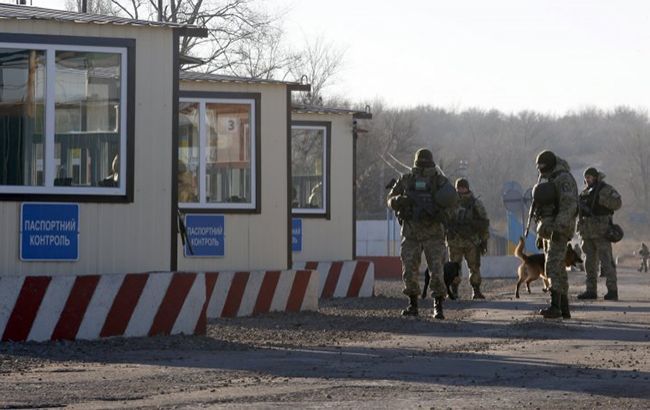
point(116, 238)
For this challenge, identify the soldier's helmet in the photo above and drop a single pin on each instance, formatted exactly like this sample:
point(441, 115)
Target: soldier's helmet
point(462, 183)
point(423, 159)
point(546, 161)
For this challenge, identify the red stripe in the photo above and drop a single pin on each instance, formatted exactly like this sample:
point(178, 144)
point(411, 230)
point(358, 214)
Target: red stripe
point(75, 307)
point(311, 265)
point(26, 307)
point(124, 305)
point(298, 290)
point(172, 303)
point(357, 278)
point(202, 323)
point(235, 294)
point(265, 297)
point(332, 280)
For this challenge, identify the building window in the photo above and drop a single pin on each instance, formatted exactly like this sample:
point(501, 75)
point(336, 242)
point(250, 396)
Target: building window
point(309, 168)
point(62, 119)
point(216, 154)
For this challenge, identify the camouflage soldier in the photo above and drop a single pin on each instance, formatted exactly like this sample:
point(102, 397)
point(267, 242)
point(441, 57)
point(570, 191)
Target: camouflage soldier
point(419, 199)
point(556, 228)
point(467, 234)
point(598, 201)
point(644, 253)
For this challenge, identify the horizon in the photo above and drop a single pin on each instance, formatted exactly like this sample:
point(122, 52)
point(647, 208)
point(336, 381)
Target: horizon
point(553, 58)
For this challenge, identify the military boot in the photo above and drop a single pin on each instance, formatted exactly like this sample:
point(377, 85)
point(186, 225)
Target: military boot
point(611, 295)
point(587, 295)
point(564, 307)
point(437, 308)
point(412, 308)
point(476, 293)
point(553, 311)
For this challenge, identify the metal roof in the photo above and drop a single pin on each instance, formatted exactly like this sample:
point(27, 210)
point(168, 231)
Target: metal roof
point(219, 78)
point(19, 12)
point(316, 109)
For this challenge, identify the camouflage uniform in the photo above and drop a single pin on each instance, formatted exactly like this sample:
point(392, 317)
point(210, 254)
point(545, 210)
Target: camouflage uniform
point(467, 229)
point(422, 199)
point(644, 253)
point(424, 235)
point(556, 231)
point(597, 205)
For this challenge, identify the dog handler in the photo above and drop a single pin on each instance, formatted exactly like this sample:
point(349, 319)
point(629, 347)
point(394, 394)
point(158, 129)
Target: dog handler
point(421, 199)
point(556, 230)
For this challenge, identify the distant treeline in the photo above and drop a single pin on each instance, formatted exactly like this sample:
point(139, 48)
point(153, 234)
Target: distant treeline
point(491, 148)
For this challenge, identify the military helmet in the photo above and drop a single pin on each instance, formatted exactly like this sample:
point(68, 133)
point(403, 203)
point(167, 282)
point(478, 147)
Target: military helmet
point(423, 159)
point(546, 161)
point(462, 183)
point(544, 194)
point(614, 233)
point(591, 171)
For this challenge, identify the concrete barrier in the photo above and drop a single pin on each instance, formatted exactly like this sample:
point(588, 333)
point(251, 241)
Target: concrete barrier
point(341, 279)
point(70, 307)
point(236, 294)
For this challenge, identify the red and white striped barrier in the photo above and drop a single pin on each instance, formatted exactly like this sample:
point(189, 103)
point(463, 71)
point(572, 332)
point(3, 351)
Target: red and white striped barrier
point(72, 307)
point(343, 279)
point(235, 294)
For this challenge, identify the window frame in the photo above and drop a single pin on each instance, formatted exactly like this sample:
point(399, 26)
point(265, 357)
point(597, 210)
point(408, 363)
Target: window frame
point(206, 97)
point(51, 44)
point(324, 212)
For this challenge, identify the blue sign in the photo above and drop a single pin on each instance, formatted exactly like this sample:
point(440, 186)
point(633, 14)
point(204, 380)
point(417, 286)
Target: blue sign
point(296, 235)
point(205, 235)
point(49, 232)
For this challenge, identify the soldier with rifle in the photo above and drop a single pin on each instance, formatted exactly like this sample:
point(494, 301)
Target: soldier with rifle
point(555, 207)
point(421, 200)
point(467, 234)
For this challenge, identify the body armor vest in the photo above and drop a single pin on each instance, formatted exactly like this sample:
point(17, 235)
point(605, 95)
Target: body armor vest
point(420, 191)
point(590, 201)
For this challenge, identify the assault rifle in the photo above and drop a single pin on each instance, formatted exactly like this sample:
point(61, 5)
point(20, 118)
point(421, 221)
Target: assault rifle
point(531, 212)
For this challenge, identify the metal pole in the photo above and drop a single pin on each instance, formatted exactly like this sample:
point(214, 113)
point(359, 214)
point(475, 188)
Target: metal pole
point(160, 10)
point(84, 6)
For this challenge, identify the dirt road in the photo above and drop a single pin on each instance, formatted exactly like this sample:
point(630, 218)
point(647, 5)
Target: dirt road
point(358, 353)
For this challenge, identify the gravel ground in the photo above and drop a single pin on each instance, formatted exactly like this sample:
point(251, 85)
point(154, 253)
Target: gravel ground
point(359, 353)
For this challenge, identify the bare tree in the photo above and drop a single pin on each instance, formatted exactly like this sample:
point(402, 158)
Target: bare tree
point(241, 34)
point(321, 62)
point(263, 56)
point(93, 6)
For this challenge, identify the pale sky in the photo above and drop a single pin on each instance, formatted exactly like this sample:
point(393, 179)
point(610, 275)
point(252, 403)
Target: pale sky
point(545, 55)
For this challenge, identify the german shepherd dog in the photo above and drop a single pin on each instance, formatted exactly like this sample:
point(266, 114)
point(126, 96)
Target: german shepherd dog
point(532, 266)
point(452, 278)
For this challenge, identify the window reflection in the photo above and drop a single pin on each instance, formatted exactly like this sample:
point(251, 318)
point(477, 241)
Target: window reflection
point(22, 116)
point(307, 167)
point(87, 118)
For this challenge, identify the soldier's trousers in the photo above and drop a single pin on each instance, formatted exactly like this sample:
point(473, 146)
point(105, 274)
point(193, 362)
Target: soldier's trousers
point(434, 253)
point(598, 252)
point(644, 265)
point(555, 269)
point(473, 258)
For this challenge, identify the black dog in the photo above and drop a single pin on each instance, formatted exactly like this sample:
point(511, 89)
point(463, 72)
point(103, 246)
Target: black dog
point(452, 279)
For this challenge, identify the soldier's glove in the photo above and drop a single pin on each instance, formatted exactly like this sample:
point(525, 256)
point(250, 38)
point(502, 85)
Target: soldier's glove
point(545, 229)
point(401, 202)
